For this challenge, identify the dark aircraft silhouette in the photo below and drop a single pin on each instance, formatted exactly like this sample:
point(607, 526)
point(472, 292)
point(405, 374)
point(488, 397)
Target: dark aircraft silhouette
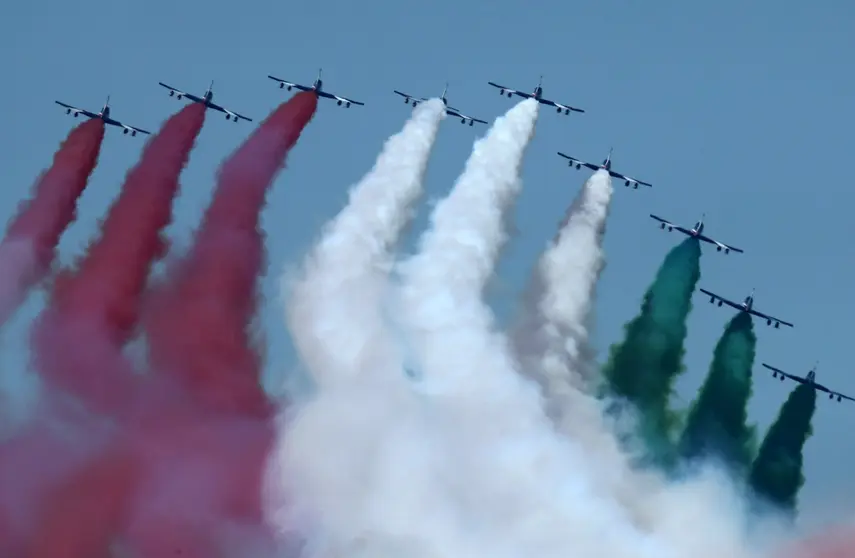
point(809, 379)
point(410, 99)
point(317, 88)
point(103, 115)
point(607, 166)
point(206, 100)
point(746, 306)
point(537, 95)
point(697, 232)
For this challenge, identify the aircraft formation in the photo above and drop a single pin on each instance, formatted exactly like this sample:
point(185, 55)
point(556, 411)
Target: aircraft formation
point(317, 87)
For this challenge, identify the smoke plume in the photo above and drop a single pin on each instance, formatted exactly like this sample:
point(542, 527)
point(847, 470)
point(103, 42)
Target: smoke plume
point(776, 474)
point(717, 425)
point(643, 367)
point(29, 247)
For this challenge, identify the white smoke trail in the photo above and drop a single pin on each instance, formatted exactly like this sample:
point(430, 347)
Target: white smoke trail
point(510, 455)
point(556, 324)
point(336, 303)
point(365, 461)
point(570, 271)
point(553, 342)
point(471, 466)
point(444, 282)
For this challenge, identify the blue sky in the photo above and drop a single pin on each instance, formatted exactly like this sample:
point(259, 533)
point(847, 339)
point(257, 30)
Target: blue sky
point(739, 110)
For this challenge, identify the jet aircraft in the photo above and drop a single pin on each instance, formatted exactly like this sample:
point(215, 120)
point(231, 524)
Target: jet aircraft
point(207, 100)
point(410, 99)
point(537, 95)
point(746, 306)
point(318, 89)
point(809, 379)
point(696, 232)
point(103, 115)
point(607, 166)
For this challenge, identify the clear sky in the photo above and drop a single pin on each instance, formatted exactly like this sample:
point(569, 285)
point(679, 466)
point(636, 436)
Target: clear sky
point(741, 110)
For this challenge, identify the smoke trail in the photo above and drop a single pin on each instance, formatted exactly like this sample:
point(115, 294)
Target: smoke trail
point(553, 337)
point(371, 425)
point(85, 510)
point(353, 255)
point(198, 325)
point(717, 422)
point(93, 311)
point(644, 366)
point(836, 542)
point(78, 339)
point(29, 246)
point(776, 474)
point(57, 442)
point(203, 457)
point(470, 466)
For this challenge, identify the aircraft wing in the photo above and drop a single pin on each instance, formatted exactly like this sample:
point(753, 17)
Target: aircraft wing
point(180, 93)
point(229, 112)
point(670, 224)
point(77, 110)
point(722, 299)
point(629, 178)
point(458, 114)
point(289, 84)
point(772, 318)
point(574, 161)
point(721, 245)
point(560, 106)
point(508, 89)
point(326, 95)
point(346, 100)
point(784, 374)
point(174, 90)
point(838, 394)
point(131, 128)
point(236, 115)
point(409, 97)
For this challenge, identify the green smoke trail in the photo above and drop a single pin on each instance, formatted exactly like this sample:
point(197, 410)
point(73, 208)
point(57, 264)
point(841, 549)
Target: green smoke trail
point(776, 475)
point(717, 422)
point(643, 367)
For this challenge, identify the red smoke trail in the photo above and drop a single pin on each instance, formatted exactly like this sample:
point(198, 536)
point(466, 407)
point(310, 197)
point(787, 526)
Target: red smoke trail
point(94, 311)
point(198, 467)
point(178, 477)
point(835, 543)
point(86, 511)
point(33, 462)
point(199, 326)
point(197, 331)
point(29, 247)
point(78, 341)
